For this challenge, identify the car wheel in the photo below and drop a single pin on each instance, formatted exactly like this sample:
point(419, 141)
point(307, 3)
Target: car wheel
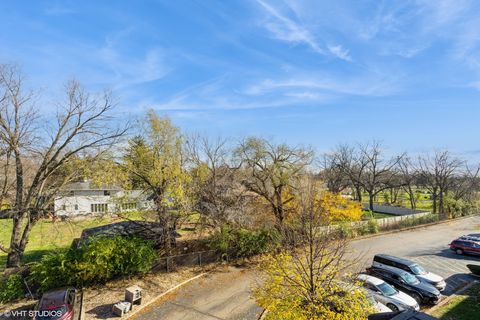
point(417, 297)
point(392, 307)
point(459, 251)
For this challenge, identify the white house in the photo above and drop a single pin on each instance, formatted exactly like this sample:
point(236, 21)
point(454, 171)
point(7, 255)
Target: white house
point(82, 198)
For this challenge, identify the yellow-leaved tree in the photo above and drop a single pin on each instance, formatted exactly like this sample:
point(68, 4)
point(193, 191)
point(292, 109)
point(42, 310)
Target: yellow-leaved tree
point(154, 162)
point(308, 279)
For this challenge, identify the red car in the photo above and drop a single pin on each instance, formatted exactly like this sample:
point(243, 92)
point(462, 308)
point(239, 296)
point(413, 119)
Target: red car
point(60, 304)
point(464, 245)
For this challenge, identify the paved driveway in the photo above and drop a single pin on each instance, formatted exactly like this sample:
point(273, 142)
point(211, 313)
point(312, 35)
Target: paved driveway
point(427, 246)
point(226, 294)
point(222, 294)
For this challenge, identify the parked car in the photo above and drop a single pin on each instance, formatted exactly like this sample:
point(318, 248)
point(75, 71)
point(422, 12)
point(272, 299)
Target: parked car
point(386, 294)
point(411, 267)
point(471, 237)
point(462, 246)
point(377, 305)
point(422, 292)
point(60, 304)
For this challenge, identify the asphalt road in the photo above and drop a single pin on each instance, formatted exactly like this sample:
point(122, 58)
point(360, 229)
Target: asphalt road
point(226, 294)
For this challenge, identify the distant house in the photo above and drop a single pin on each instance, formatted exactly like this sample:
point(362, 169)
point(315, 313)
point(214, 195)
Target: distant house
point(83, 198)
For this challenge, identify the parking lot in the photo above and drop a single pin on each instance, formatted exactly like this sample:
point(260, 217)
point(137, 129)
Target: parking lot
point(428, 247)
point(227, 295)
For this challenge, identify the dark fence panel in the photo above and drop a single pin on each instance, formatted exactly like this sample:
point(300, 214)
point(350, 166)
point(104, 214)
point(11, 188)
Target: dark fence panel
point(167, 264)
point(397, 211)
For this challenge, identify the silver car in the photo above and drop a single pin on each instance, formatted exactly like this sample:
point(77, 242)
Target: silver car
point(387, 295)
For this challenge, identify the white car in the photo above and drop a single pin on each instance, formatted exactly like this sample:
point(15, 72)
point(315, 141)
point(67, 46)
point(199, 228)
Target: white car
point(387, 295)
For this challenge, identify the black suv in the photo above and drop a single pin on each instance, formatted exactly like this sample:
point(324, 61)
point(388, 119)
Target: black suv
point(422, 292)
point(380, 260)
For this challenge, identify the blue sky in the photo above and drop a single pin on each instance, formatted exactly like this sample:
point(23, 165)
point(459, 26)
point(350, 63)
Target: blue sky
point(316, 73)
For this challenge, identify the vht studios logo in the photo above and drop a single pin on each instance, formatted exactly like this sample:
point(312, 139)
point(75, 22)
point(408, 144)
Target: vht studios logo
point(32, 314)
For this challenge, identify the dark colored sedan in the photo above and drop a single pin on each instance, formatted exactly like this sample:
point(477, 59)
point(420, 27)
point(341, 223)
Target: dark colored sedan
point(60, 304)
point(422, 292)
point(464, 245)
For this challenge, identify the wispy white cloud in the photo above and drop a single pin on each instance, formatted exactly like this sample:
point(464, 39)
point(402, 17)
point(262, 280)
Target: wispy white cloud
point(377, 85)
point(289, 30)
point(340, 52)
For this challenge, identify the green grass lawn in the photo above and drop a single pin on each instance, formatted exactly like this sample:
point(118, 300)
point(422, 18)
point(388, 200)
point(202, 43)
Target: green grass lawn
point(462, 307)
point(376, 215)
point(48, 236)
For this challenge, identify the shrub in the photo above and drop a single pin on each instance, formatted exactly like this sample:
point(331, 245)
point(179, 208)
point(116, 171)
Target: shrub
point(222, 240)
point(54, 270)
point(459, 208)
point(345, 230)
point(372, 225)
point(97, 261)
point(243, 242)
point(11, 288)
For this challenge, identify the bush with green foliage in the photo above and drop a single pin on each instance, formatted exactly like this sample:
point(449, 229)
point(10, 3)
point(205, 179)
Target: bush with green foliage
point(241, 243)
point(97, 261)
point(11, 288)
point(347, 230)
point(372, 225)
point(459, 208)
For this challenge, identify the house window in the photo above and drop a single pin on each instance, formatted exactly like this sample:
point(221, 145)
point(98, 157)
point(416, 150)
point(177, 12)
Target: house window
point(71, 193)
point(106, 192)
point(76, 207)
point(129, 206)
point(99, 207)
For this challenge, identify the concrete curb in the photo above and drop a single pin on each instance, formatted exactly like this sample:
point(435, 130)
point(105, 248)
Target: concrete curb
point(155, 299)
point(446, 300)
point(368, 236)
point(263, 315)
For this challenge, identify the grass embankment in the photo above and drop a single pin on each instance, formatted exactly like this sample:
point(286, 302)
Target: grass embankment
point(49, 236)
point(462, 307)
point(376, 215)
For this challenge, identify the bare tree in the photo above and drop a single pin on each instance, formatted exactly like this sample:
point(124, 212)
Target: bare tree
point(219, 193)
point(333, 172)
point(437, 174)
point(466, 184)
point(80, 126)
point(271, 170)
point(345, 161)
point(409, 179)
point(367, 169)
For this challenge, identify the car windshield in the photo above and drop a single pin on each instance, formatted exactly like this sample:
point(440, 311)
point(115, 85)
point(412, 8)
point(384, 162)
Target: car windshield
point(409, 278)
point(387, 289)
point(52, 313)
point(418, 270)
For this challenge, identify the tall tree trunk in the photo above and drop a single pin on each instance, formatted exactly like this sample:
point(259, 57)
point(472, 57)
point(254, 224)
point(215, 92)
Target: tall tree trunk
point(18, 241)
point(441, 207)
point(434, 197)
point(411, 195)
point(358, 193)
point(371, 196)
